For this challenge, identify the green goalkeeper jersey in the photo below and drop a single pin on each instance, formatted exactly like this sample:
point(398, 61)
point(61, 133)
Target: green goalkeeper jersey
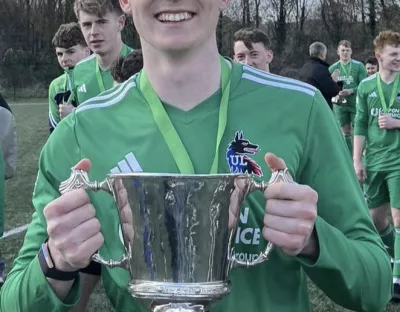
point(60, 92)
point(117, 132)
point(382, 145)
point(90, 80)
point(351, 74)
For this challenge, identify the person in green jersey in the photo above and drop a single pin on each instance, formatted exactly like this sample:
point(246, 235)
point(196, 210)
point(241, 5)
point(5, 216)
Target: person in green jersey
point(253, 47)
point(220, 116)
point(378, 122)
point(102, 22)
point(371, 66)
point(70, 47)
point(126, 66)
point(352, 72)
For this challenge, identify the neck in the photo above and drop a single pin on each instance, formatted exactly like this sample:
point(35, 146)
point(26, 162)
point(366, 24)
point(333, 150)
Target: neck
point(107, 59)
point(185, 79)
point(345, 62)
point(387, 76)
point(267, 68)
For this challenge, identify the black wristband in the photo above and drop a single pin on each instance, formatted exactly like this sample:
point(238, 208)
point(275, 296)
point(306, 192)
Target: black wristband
point(48, 268)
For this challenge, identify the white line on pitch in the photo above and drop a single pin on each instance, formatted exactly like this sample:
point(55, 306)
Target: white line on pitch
point(28, 104)
point(15, 231)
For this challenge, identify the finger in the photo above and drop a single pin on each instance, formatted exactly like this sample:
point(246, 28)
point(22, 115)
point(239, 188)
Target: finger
point(288, 225)
point(66, 203)
point(291, 209)
point(274, 162)
point(83, 255)
point(291, 244)
point(126, 215)
point(83, 164)
point(291, 191)
point(71, 220)
point(79, 234)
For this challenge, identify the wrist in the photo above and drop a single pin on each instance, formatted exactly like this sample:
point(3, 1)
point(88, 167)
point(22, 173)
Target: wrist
point(311, 250)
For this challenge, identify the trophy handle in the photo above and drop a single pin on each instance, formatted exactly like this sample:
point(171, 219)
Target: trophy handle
point(79, 180)
point(281, 175)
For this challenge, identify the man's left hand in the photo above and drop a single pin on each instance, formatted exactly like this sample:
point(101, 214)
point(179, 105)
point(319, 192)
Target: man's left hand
point(65, 110)
point(291, 211)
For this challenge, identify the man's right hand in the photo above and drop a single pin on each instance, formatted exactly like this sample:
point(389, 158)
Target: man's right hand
point(360, 170)
point(73, 230)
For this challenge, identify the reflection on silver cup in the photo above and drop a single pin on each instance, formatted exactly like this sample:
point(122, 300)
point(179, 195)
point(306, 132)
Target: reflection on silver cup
point(178, 233)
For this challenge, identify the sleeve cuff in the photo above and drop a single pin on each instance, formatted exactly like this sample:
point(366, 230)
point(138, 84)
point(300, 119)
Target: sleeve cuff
point(70, 300)
point(322, 254)
point(360, 130)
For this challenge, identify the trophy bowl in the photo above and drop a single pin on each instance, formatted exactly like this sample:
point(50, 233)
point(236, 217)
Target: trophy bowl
point(178, 232)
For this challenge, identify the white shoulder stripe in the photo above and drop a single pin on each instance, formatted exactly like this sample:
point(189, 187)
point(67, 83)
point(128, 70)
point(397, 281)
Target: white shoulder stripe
point(108, 99)
point(370, 77)
point(86, 59)
point(278, 84)
point(278, 78)
point(355, 61)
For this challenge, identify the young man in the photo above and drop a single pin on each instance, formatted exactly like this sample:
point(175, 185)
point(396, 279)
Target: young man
point(378, 121)
point(70, 48)
point(253, 47)
point(102, 23)
point(371, 66)
point(337, 247)
point(8, 161)
point(352, 72)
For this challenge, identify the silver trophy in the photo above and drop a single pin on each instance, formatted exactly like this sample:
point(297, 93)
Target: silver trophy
point(178, 233)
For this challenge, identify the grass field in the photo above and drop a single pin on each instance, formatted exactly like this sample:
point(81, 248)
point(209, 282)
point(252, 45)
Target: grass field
point(32, 127)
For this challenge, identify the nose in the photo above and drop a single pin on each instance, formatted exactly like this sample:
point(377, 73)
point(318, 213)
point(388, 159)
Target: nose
point(247, 60)
point(94, 30)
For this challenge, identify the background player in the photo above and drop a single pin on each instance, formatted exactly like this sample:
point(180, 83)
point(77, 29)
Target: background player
point(70, 47)
point(352, 72)
point(377, 120)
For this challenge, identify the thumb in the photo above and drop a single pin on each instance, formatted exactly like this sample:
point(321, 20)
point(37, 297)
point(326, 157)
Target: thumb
point(274, 162)
point(83, 164)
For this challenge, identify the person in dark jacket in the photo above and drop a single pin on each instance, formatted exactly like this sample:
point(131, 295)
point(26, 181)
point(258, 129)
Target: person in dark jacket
point(316, 73)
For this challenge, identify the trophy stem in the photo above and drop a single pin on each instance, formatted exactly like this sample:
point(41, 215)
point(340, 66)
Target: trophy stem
point(178, 307)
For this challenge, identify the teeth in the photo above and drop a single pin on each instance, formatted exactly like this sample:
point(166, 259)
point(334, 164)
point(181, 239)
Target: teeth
point(176, 17)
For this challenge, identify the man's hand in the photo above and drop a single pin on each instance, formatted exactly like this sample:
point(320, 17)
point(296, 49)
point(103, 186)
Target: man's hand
point(345, 92)
point(388, 122)
point(360, 170)
point(290, 214)
point(65, 110)
point(73, 229)
point(335, 75)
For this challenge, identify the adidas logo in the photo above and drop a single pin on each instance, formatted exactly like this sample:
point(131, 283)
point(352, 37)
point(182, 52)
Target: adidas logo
point(127, 165)
point(82, 88)
point(373, 95)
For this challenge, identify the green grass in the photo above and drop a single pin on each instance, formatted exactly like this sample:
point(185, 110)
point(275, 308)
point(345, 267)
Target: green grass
point(32, 128)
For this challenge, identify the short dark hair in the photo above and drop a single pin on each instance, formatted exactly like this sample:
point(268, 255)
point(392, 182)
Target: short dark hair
point(67, 36)
point(97, 7)
point(371, 60)
point(250, 36)
point(126, 66)
point(345, 43)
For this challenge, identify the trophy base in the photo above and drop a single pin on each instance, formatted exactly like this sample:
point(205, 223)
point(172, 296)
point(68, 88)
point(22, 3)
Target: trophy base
point(178, 307)
point(179, 292)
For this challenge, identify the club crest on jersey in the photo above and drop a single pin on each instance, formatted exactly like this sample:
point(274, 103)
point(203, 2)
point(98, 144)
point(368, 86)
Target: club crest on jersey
point(238, 156)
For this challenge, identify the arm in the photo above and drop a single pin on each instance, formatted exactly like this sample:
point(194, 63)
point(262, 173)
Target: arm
point(362, 74)
point(8, 142)
point(54, 116)
point(360, 126)
point(325, 83)
point(26, 288)
point(352, 267)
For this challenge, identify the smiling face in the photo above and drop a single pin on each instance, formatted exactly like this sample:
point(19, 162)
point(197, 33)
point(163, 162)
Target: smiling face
point(389, 58)
point(175, 25)
point(258, 57)
point(68, 58)
point(371, 68)
point(102, 33)
point(344, 53)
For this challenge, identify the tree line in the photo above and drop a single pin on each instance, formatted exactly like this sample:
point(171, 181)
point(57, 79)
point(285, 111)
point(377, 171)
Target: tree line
point(28, 62)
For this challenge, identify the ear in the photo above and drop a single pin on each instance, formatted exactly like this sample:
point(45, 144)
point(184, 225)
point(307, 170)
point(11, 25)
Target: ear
point(121, 22)
point(126, 6)
point(87, 51)
point(270, 56)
